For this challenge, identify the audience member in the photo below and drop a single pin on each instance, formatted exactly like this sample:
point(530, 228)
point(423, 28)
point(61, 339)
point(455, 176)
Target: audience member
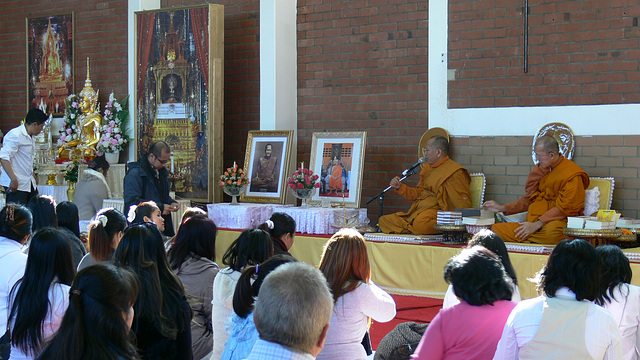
point(345, 264)
point(147, 211)
point(92, 188)
point(471, 329)
point(43, 209)
point(493, 243)
point(96, 326)
point(292, 314)
point(242, 330)
point(282, 228)
point(105, 233)
point(620, 298)
point(68, 221)
point(163, 316)
point(250, 248)
point(192, 258)
point(190, 212)
point(15, 228)
point(40, 298)
point(563, 323)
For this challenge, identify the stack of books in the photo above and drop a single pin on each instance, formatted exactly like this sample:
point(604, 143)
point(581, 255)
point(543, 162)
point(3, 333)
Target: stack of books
point(449, 218)
point(599, 225)
point(472, 220)
point(628, 223)
point(577, 222)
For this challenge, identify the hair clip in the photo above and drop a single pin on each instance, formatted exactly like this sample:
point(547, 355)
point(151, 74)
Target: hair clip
point(257, 270)
point(270, 224)
point(76, 292)
point(103, 219)
point(131, 215)
point(10, 212)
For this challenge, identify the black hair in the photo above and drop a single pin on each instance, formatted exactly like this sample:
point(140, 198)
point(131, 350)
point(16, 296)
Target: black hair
point(158, 147)
point(494, 243)
point(196, 236)
point(49, 260)
point(574, 264)
point(101, 234)
point(15, 222)
point(615, 271)
point(141, 250)
point(192, 211)
point(478, 277)
point(98, 163)
point(282, 224)
point(253, 246)
point(67, 213)
point(146, 208)
point(35, 116)
point(93, 327)
point(244, 297)
point(43, 208)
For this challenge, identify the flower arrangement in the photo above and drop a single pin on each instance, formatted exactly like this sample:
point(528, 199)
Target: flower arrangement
point(71, 170)
point(233, 176)
point(69, 132)
point(303, 179)
point(114, 135)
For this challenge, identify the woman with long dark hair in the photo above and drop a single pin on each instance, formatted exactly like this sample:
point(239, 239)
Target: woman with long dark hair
point(282, 229)
point(163, 316)
point(192, 258)
point(68, 221)
point(105, 233)
point(97, 323)
point(147, 211)
point(40, 298)
point(345, 264)
point(43, 209)
point(250, 248)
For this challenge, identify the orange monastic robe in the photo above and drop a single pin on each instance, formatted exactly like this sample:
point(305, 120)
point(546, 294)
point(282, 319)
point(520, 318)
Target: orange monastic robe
point(335, 182)
point(551, 195)
point(442, 186)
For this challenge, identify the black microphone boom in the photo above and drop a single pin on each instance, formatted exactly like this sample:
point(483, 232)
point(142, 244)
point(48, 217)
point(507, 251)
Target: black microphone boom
point(422, 160)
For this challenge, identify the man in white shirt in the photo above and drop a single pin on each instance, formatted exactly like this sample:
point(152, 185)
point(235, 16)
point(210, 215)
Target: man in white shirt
point(16, 157)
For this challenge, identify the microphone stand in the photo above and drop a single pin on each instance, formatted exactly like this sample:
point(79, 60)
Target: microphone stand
point(380, 196)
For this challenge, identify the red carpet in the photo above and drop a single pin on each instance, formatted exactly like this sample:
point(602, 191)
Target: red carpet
point(409, 308)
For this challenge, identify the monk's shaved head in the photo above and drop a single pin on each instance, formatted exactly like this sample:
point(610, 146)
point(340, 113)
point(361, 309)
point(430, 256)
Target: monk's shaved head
point(440, 142)
point(548, 143)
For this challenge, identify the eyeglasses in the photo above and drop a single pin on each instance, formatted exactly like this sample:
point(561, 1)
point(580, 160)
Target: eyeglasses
point(161, 161)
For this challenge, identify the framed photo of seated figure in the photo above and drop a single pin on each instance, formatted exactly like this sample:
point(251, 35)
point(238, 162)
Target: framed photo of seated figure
point(266, 159)
point(338, 158)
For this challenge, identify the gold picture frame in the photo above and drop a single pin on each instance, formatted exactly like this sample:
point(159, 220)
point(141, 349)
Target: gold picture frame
point(267, 162)
point(338, 158)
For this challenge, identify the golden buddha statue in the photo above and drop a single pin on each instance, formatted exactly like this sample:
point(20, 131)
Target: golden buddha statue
point(88, 124)
point(50, 64)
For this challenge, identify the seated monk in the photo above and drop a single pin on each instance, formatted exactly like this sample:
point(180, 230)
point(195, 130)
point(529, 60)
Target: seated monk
point(555, 189)
point(444, 185)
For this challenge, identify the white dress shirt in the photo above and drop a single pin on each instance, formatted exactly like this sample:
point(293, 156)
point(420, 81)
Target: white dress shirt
point(13, 262)
point(625, 308)
point(601, 332)
point(18, 147)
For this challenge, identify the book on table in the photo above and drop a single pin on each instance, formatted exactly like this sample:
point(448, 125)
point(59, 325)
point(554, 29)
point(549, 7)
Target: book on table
point(471, 220)
point(599, 225)
point(577, 222)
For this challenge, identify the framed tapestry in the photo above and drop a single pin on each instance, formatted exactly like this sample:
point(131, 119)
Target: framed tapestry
point(179, 94)
point(267, 157)
point(49, 62)
point(338, 157)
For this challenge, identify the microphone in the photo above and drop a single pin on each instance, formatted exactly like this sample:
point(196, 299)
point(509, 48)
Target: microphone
point(422, 160)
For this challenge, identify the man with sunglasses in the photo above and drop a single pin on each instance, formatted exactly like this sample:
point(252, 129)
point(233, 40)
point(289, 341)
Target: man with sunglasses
point(147, 180)
point(555, 190)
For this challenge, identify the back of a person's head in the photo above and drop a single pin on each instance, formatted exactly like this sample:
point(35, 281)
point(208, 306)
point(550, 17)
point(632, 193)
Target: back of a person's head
point(280, 225)
point(294, 306)
point(478, 277)
point(49, 259)
point(99, 163)
point(191, 212)
point(67, 213)
point(102, 231)
point(15, 222)
point(141, 250)
point(43, 208)
point(245, 293)
point(573, 264)
point(345, 262)
point(196, 236)
point(495, 244)
point(253, 246)
point(615, 271)
point(138, 212)
point(93, 326)
point(35, 116)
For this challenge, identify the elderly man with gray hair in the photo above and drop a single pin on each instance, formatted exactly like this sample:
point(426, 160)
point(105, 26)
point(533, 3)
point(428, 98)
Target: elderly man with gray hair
point(292, 314)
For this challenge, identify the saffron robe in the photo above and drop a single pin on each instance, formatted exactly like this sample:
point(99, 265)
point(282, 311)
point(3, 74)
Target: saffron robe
point(551, 195)
point(335, 182)
point(443, 186)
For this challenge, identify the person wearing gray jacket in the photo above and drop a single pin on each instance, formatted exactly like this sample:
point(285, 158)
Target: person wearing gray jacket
point(92, 188)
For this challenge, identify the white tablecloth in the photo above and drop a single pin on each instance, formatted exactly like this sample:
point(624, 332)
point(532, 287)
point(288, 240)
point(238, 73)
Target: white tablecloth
point(59, 192)
point(115, 178)
point(243, 215)
point(314, 220)
point(118, 204)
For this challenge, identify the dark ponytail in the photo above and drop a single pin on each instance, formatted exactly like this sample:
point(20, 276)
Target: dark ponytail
point(102, 230)
point(15, 222)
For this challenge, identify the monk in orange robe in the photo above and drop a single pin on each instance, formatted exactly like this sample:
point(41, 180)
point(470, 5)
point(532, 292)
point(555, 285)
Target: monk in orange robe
point(444, 185)
point(335, 181)
point(554, 190)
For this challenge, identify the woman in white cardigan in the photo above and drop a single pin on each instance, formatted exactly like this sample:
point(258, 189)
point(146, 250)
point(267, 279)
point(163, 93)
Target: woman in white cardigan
point(92, 188)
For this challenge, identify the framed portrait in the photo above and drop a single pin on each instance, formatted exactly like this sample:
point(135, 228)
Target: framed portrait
point(266, 160)
point(179, 94)
point(338, 158)
point(49, 62)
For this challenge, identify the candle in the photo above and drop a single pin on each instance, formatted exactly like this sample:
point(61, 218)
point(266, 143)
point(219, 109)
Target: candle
point(234, 165)
point(172, 157)
point(302, 165)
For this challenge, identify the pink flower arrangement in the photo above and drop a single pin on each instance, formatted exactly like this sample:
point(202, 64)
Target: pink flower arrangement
point(233, 176)
point(69, 132)
point(114, 135)
point(303, 179)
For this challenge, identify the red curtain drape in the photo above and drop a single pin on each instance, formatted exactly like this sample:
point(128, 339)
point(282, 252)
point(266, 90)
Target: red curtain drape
point(145, 34)
point(200, 27)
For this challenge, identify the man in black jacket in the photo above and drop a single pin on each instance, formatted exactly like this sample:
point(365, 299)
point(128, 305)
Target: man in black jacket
point(146, 180)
